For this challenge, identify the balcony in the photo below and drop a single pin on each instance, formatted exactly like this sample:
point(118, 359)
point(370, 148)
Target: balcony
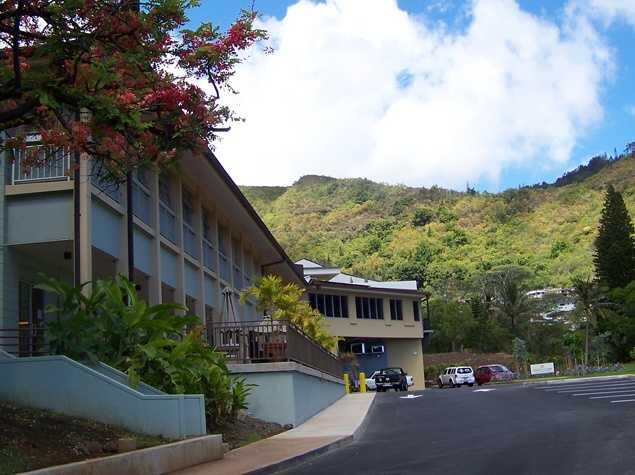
point(269, 341)
point(50, 165)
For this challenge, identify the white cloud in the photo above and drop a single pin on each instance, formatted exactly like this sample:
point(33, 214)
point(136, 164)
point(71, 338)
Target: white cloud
point(606, 10)
point(361, 88)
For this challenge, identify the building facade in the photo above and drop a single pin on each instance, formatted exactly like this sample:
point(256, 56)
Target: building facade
point(197, 241)
point(378, 322)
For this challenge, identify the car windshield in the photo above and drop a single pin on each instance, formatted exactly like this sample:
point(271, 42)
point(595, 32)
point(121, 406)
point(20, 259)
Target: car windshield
point(499, 369)
point(464, 370)
point(391, 371)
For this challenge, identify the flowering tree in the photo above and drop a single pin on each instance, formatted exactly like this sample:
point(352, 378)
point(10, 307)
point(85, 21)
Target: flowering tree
point(95, 76)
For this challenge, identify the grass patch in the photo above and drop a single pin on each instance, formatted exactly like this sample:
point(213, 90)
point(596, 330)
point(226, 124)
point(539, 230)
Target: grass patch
point(33, 438)
point(11, 461)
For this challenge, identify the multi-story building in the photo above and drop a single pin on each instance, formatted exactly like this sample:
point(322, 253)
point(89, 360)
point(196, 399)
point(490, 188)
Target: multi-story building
point(197, 241)
point(379, 322)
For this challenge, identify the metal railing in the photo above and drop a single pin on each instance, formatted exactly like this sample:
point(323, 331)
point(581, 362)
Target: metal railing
point(50, 165)
point(270, 341)
point(24, 341)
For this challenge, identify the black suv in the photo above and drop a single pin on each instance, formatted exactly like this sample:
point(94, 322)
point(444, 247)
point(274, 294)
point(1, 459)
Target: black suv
point(391, 378)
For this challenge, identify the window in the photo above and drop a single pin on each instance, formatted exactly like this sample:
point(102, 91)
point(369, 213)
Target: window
point(369, 308)
point(335, 306)
point(395, 310)
point(377, 349)
point(358, 348)
point(188, 208)
point(164, 190)
point(415, 310)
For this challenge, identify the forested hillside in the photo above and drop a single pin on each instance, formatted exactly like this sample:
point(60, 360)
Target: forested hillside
point(436, 235)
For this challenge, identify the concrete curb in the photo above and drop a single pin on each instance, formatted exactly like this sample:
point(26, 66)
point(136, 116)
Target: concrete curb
point(299, 459)
point(159, 459)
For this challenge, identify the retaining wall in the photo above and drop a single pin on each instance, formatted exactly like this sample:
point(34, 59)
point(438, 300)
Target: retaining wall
point(287, 392)
point(60, 384)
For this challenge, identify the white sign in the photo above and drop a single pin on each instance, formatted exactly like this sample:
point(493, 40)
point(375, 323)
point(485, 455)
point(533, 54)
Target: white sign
point(542, 368)
point(410, 396)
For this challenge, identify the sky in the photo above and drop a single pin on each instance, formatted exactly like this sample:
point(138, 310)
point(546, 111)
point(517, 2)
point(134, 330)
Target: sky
point(494, 93)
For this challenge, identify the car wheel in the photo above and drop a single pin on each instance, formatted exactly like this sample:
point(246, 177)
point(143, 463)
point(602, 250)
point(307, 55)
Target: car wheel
point(452, 385)
point(440, 383)
point(471, 385)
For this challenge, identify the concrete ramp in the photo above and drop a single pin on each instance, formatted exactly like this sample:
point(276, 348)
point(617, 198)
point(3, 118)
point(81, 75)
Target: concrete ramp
point(59, 384)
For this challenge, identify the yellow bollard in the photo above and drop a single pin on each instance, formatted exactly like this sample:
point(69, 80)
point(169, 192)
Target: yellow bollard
point(347, 384)
point(362, 382)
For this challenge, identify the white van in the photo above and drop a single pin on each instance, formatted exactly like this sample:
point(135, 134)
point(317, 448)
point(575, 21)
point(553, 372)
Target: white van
point(456, 376)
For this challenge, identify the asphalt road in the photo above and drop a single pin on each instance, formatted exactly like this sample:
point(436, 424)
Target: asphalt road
point(580, 428)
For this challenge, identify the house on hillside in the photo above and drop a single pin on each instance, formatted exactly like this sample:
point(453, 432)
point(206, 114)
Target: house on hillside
point(379, 322)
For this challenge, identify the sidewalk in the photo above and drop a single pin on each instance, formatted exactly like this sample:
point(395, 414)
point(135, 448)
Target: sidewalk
point(335, 426)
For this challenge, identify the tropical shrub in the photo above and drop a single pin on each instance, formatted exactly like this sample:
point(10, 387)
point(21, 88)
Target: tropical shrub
point(150, 343)
point(282, 301)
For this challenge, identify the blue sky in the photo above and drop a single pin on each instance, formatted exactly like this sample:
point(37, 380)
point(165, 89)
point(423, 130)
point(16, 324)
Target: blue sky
point(606, 124)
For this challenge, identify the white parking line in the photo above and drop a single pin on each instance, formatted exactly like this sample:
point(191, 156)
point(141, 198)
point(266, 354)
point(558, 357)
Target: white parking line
point(623, 400)
point(564, 391)
point(612, 395)
point(594, 385)
point(584, 383)
point(614, 391)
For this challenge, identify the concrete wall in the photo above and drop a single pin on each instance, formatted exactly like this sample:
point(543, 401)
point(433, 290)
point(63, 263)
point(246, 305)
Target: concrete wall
point(43, 217)
point(288, 393)
point(407, 354)
point(62, 385)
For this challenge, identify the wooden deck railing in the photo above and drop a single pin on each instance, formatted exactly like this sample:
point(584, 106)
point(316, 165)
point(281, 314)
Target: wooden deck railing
point(270, 341)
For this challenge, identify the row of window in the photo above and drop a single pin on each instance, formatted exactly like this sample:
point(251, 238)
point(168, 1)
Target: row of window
point(335, 306)
point(368, 308)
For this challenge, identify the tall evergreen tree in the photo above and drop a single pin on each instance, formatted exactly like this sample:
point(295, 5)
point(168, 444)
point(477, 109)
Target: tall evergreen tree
point(614, 245)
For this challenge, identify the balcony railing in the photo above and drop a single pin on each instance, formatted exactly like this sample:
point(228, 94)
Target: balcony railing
point(24, 341)
point(50, 165)
point(270, 341)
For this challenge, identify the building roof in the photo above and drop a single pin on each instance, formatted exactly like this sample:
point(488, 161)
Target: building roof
point(313, 271)
point(281, 264)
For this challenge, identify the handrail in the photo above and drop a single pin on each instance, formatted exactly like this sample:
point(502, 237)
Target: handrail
point(270, 341)
point(54, 167)
point(24, 341)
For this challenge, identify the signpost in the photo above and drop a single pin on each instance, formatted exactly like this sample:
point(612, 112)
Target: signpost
point(542, 368)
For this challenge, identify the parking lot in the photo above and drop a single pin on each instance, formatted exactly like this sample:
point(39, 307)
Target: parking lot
point(581, 427)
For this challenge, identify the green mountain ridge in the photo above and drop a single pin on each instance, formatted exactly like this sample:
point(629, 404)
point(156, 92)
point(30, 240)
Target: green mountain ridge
point(436, 235)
